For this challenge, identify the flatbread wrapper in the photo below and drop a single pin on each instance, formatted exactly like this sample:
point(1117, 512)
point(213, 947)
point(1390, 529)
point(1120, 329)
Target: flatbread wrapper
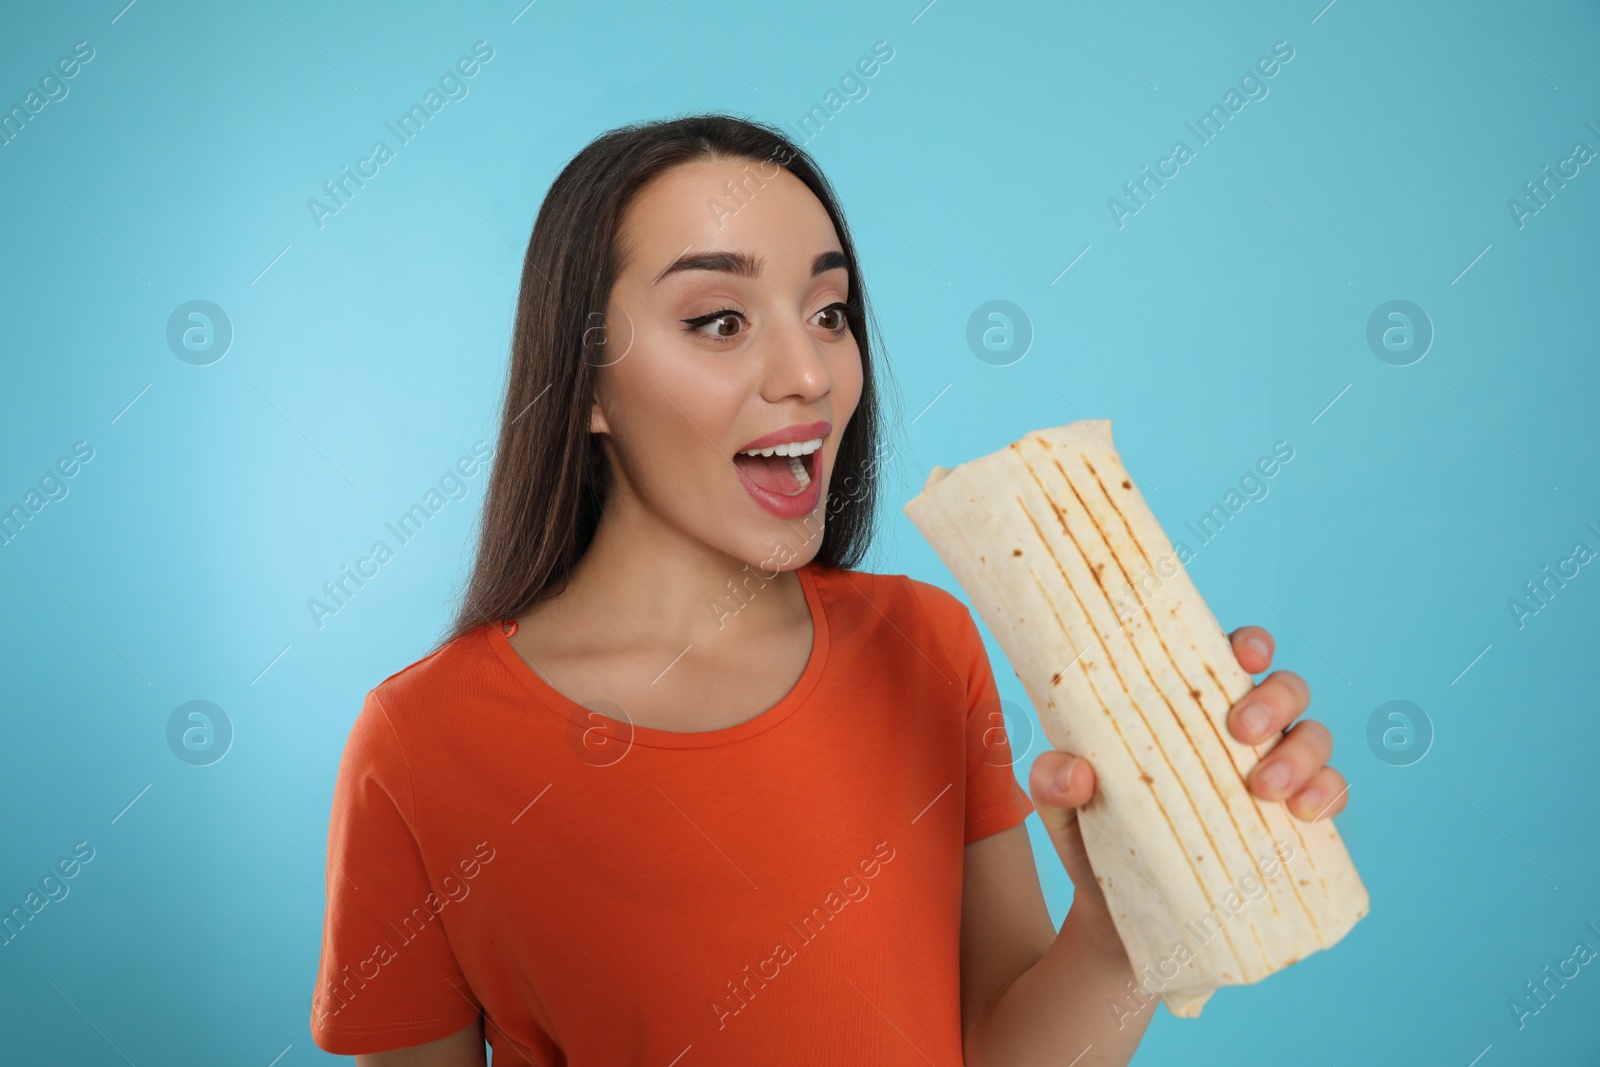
point(1125, 665)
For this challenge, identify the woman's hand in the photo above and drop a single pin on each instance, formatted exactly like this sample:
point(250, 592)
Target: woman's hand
point(1294, 771)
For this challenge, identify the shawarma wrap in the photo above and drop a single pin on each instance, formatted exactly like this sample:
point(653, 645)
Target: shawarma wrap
point(1125, 665)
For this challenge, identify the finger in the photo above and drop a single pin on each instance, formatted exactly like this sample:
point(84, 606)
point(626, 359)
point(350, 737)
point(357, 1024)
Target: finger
point(1061, 780)
point(1292, 762)
point(1252, 647)
point(1269, 707)
point(1061, 783)
point(1323, 797)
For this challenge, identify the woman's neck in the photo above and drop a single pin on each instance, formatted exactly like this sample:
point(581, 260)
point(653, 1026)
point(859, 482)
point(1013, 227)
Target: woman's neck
point(642, 582)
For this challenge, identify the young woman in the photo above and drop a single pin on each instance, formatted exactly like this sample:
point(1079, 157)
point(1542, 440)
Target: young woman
point(681, 786)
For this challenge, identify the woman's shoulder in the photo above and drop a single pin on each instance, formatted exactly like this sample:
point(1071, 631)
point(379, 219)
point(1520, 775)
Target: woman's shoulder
point(898, 597)
point(886, 583)
point(452, 674)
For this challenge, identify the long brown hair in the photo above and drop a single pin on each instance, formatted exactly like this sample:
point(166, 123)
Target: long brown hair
point(549, 477)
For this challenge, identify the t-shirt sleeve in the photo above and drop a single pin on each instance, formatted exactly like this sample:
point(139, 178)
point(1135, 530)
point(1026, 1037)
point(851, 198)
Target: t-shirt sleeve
point(995, 801)
point(388, 977)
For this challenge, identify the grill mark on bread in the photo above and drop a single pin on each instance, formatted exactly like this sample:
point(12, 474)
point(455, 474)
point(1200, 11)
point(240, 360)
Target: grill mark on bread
point(937, 518)
point(1293, 828)
point(1216, 731)
point(1096, 692)
point(1210, 722)
point(1112, 719)
point(1222, 800)
point(1111, 662)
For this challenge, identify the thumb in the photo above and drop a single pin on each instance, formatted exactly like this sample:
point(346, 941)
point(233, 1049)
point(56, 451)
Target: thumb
point(1060, 783)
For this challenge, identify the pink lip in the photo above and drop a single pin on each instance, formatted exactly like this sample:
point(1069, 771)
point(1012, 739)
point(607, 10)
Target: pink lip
point(787, 507)
point(800, 431)
point(805, 501)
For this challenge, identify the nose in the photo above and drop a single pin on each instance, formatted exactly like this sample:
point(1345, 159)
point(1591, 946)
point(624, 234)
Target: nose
point(794, 365)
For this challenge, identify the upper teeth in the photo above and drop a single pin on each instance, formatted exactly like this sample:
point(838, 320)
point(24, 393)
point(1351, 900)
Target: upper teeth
point(796, 448)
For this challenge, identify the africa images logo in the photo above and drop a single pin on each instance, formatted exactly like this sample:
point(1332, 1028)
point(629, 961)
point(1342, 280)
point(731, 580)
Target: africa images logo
point(811, 926)
point(452, 86)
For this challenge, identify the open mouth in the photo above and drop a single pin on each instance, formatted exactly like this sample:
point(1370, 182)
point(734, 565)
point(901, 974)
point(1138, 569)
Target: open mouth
point(785, 470)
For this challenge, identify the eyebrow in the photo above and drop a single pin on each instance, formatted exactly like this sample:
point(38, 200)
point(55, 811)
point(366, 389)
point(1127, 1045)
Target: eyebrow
point(743, 264)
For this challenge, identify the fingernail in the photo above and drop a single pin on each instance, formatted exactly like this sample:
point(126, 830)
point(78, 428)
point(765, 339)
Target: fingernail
point(1260, 646)
point(1254, 719)
point(1064, 775)
point(1276, 775)
point(1312, 799)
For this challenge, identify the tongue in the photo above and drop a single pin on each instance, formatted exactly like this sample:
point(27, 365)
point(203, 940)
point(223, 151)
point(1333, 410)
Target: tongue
point(771, 473)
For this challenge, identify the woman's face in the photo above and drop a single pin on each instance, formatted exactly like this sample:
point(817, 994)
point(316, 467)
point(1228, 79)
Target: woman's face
point(725, 330)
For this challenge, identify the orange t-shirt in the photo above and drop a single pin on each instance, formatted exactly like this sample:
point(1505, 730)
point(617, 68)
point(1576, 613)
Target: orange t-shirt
point(783, 891)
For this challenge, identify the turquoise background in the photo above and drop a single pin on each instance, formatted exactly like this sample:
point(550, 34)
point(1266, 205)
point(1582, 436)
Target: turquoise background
point(368, 355)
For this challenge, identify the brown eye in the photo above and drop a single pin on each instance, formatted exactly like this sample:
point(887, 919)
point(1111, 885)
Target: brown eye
point(835, 316)
point(719, 321)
